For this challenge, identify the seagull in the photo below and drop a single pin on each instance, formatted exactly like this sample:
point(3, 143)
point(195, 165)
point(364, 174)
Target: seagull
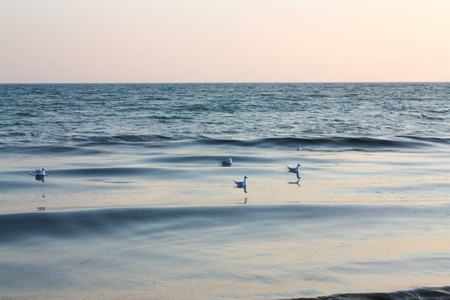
point(299, 148)
point(294, 170)
point(40, 172)
point(242, 184)
point(34, 133)
point(227, 162)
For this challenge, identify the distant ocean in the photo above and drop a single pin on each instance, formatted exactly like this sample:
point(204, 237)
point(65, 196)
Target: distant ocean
point(136, 204)
point(88, 117)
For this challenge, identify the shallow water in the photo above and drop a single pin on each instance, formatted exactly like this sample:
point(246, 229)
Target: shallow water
point(136, 204)
point(266, 252)
point(182, 176)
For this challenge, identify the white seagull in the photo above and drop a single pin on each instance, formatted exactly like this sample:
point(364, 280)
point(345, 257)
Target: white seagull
point(299, 148)
point(242, 184)
point(34, 133)
point(228, 161)
point(40, 172)
point(294, 170)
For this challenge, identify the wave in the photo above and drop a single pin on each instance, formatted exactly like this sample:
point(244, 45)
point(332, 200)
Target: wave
point(49, 149)
point(74, 223)
point(428, 293)
point(196, 107)
point(118, 139)
point(339, 143)
point(78, 223)
point(118, 172)
point(25, 114)
point(79, 144)
point(13, 134)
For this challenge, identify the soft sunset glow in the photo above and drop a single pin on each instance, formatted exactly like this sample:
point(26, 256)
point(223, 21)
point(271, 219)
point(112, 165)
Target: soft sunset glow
point(224, 41)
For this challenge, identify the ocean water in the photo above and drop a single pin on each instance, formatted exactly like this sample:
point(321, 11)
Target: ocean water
point(136, 203)
point(84, 116)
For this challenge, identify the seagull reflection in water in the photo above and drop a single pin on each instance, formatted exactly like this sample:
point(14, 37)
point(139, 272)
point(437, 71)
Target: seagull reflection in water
point(40, 178)
point(296, 182)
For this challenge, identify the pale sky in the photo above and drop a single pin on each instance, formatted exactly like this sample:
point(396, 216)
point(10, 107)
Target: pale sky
point(84, 41)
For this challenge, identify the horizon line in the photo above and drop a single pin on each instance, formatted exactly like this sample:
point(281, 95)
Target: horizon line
point(225, 82)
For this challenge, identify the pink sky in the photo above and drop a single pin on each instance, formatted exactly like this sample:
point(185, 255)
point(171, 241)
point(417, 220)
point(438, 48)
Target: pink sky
point(53, 41)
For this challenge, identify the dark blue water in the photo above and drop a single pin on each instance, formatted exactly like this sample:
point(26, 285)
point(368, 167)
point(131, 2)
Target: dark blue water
point(321, 116)
point(136, 203)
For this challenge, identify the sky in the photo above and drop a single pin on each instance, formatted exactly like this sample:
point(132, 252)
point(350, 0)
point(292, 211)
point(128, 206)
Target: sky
point(155, 41)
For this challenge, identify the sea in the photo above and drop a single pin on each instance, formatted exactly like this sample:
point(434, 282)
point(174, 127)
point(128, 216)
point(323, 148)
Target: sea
point(136, 203)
